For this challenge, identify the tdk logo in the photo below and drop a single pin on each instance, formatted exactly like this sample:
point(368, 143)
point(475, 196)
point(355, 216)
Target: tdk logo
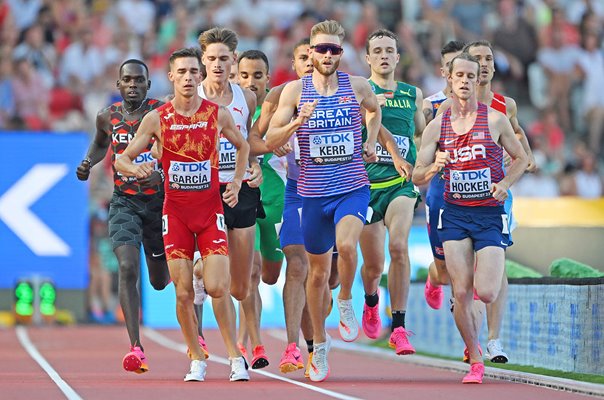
point(401, 140)
point(331, 139)
point(225, 145)
point(190, 166)
point(143, 158)
point(471, 175)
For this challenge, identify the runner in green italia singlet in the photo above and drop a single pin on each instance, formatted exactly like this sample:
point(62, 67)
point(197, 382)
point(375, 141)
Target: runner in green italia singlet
point(393, 196)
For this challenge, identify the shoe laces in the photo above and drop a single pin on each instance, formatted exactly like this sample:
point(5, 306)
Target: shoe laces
point(495, 345)
point(373, 313)
point(403, 333)
point(346, 310)
point(319, 357)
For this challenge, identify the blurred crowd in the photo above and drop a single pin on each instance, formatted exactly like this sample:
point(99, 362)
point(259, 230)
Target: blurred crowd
point(59, 62)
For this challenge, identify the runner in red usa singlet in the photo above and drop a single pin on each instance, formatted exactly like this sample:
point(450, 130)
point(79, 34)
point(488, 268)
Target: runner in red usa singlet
point(193, 204)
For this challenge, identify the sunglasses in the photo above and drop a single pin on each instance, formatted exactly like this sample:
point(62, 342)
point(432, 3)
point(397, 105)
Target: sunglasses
point(323, 48)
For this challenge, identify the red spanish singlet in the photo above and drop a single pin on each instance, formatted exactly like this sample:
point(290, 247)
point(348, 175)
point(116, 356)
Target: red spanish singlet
point(122, 132)
point(192, 206)
point(476, 162)
point(498, 103)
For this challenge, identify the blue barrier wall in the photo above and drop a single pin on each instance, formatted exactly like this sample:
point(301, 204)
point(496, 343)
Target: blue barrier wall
point(43, 209)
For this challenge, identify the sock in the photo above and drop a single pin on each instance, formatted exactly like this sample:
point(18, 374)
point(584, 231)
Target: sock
point(372, 299)
point(398, 319)
point(309, 345)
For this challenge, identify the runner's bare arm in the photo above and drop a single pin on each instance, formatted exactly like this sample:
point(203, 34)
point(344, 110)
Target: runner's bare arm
point(98, 147)
point(227, 127)
point(373, 115)
point(418, 117)
point(512, 110)
point(428, 164)
point(148, 128)
point(427, 111)
point(386, 139)
point(511, 144)
point(283, 125)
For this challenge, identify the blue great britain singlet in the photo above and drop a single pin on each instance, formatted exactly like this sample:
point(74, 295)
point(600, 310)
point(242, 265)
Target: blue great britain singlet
point(476, 162)
point(330, 142)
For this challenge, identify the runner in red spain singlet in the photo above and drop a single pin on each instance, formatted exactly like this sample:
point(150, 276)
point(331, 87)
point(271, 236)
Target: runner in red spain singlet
point(188, 129)
point(193, 204)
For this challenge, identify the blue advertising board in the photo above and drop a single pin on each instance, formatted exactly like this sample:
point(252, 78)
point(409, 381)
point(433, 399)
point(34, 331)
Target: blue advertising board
point(43, 209)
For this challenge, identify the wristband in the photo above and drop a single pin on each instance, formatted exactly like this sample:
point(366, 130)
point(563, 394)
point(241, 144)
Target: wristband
point(88, 160)
point(161, 173)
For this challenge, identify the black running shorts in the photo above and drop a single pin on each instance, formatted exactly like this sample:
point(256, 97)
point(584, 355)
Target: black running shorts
point(249, 207)
point(137, 218)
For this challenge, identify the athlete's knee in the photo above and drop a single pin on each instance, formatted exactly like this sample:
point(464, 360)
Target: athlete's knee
point(487, 295)
point(184, 295)
point(297, 268)
point(318, 277)
point(158, 283)
point(128, 270)
point(399, 251)
point(372, 270)
point(347, 248)
point(240, 290)
point(270, 272)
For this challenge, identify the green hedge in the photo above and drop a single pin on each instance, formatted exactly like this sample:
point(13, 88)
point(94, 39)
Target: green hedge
point(568, 268)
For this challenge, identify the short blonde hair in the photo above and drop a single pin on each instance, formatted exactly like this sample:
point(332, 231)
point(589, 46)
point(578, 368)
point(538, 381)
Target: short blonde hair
point(328, 27)
point(218, 35)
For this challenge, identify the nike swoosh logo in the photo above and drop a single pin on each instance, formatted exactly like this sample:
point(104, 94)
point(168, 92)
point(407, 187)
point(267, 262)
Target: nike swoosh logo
point(157, 255)
point(504, 244)
point(219, 241)
point(449, 141)
point(361, 215)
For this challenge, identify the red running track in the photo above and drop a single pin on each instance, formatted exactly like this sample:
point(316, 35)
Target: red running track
point(87, 359)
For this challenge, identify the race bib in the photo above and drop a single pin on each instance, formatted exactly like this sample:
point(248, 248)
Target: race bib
point(470, 184)
point(142, 158)
point(384, 157)
point(228, 154)
point(194, 175)
point(331, 148)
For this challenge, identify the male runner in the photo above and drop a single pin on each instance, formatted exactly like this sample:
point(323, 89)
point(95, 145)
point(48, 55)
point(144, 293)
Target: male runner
point(333, 181)
point(188, 128)
point(437, 271)
point(484, 53)
point(393, 197)
point(135, 208)
point(254, 75)
point(469, 138)
point(218, 47)
point(290, 234)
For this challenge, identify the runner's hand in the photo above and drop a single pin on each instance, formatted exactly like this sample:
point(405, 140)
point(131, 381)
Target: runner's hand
point(442, 159)
point(256, 178)
point(499, 191)
point(404, 167)
point(231, 194)
point(306, 111)
point(152, 180)
point(83, 170)
point(141, 171)
point(283, 150)
point(381, 98)
point(369, 153)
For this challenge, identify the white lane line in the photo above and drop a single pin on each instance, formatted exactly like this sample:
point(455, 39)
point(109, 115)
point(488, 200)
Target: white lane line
point(35, 354)
point(181, 348)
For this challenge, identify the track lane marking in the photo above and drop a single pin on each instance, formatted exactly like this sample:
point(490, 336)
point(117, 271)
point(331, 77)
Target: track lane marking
point(35, 354)
point(176, 346)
